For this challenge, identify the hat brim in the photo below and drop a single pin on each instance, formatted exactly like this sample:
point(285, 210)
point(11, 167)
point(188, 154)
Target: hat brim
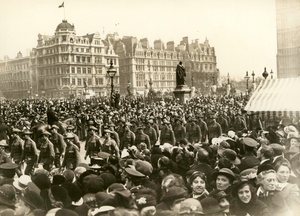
point(216, 174)
point(237, 161)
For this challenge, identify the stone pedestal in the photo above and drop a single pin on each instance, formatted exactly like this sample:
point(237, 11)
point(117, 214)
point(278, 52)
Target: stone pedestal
point(183, 93)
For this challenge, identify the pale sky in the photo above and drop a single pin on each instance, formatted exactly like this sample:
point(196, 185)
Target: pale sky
point(243, 32)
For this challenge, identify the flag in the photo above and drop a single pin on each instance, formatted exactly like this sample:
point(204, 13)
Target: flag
point(62, 5)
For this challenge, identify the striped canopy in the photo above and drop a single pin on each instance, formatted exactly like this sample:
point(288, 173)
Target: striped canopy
point(276, 97)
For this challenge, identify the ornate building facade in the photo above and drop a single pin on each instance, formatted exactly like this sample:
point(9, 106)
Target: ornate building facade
point(288, 40)
point(16, 77)
point(143, 67)
point(61, 65)
point(67, 64)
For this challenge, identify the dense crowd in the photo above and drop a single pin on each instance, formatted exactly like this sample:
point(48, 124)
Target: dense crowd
point(203, 157)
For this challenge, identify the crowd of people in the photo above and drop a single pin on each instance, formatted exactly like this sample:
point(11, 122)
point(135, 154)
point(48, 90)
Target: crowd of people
point(141, 158)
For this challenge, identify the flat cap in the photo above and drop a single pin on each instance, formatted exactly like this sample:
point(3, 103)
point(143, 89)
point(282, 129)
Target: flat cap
point(250, 142)
point(8, 166)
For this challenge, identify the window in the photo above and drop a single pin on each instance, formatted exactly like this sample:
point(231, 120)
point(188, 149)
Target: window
point(73, 70)
point(89, 70)
point(77, 58)
point(84, 70)
point(79, 82)
point(73, 81)
point(79, 70)
point(88, 59)
point(89, 81)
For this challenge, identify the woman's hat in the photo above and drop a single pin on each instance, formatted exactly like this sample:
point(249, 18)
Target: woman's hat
point(190, 206)
point(22, 182)
point(117, 188)
point(231, 156)
point(174, 193)
point(225, 172)
point(211, 205)
point(248, 174)
point(7, 195)
point(33, 199)
point(61, 194)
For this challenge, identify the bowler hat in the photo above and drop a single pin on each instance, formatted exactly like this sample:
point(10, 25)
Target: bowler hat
point(225, 172)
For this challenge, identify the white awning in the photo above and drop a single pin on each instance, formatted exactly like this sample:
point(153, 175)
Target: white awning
point(276, 97)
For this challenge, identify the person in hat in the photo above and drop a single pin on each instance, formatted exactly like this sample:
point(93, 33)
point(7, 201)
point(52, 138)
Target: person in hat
point(202, 164)
point(4, 157)
point(211, 207)
point(56, 197)
point(230, 156)
point(70, 129)
point(133, 178)
point(222, 198)
point(7, 173)
point(203, 127)
point(114, 134)
point(193, 132)
point(278, 152)
point(59, 145)
point(30, 153)
point(7, 197)
point(93, 145)
point(109, 145)
point(249, 160)
point(245, 201)
point(288, 191)
point(172, 199)
point(72, 155)
point(265, 154)
point(214, 128)
point(224, 179)
point(128, 138)
point(179, 129)
point(151, 132)
point(141, 137)
point(47, 153)
point(191, 207)
point(27, 203)
point(166, 134)
point(17, 147)
point(145, 201)
point(4, 130)
point(197, 182)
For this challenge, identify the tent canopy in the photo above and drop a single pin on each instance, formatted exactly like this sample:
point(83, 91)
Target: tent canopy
point(276, 97)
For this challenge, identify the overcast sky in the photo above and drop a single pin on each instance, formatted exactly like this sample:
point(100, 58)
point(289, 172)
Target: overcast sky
point(243, 32)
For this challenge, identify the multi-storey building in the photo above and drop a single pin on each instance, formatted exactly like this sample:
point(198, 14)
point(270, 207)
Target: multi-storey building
point(141, 65)
point(69, 64)
point(288, 41)
point(16, 77)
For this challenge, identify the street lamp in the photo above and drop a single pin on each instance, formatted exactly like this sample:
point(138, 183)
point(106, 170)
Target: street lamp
point(253, 75)
point(271, 74)
point(265, 74)
point(111, 73)
point(228, 81)
point(247, 79)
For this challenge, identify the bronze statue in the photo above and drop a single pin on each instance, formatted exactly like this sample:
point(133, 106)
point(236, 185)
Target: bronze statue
point(180, 74)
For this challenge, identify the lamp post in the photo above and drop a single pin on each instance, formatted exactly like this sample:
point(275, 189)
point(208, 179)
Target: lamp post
point(265, 74)
point(111, 73)
point(228, 77)
point(247, 80)
point(271, 74)
point(253, 76)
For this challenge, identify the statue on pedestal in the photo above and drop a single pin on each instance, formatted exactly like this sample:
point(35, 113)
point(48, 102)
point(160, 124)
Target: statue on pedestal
point(180, 74)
